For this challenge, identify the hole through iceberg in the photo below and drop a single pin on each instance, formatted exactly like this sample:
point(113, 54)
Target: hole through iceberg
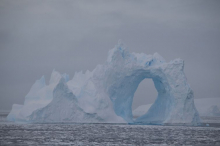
point(144, 96)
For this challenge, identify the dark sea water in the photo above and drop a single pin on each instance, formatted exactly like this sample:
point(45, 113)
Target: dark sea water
point(106, 134)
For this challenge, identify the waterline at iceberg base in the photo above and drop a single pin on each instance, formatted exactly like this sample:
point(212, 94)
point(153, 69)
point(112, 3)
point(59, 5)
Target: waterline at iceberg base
point(105, 95)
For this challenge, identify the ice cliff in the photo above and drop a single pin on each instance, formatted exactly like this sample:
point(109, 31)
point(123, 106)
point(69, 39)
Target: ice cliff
point(106, 93)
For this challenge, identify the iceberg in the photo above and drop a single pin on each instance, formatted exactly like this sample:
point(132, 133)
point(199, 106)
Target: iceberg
point(141, 110)
point(63, 108)
point(106, 93)
point(205, 107)
point(39, 96)
point(213, 111)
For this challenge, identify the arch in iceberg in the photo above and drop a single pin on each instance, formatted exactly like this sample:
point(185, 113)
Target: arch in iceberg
point(175, 100)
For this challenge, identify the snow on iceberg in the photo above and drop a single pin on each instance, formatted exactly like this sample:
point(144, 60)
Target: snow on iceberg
point(106, 93)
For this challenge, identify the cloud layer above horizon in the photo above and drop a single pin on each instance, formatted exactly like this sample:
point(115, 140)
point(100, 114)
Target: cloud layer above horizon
point(39, 36)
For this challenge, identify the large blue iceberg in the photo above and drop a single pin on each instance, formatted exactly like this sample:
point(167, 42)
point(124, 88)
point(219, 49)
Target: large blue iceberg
point(105, 95)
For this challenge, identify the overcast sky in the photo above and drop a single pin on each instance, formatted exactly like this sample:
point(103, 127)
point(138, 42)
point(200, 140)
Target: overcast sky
point(39, 36)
